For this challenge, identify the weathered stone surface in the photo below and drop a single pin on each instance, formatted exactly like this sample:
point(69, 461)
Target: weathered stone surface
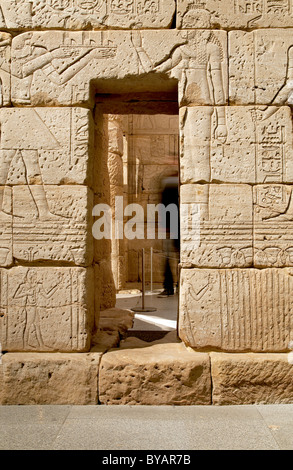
point(236, 310)
point(216, 225)
point(160, 374)
point(46, 309)
point(46, 146)
point(236, 144)
point(273, 225)
point(240, 379)
point(86, 14)
point(5, 58)
point(116, 319)
point(48, 223)
point(61, 65)
point(49, 379)
point(234, 13)
point(102, 341)
point(104, 282)
point(261, 67)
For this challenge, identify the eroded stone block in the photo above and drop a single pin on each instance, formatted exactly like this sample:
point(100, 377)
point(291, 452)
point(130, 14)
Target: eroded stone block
point(46, 146)
point(46, 223)
point(216, 225)
point(53, 223)
point(159, 374)
point(60, 65)
point(236, 310)
point(85, 14)
point(273, 225)
point(46, 309)
point(240, 379)
point(236, 144)
point(261, 67)
point(5, 59)
point(234, 13)
point(49, 379)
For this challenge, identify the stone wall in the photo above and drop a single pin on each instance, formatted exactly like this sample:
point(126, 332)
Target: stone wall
point(232, 62)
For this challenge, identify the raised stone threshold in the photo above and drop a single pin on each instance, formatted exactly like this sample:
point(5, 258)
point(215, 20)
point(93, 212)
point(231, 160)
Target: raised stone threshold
point(140, 373)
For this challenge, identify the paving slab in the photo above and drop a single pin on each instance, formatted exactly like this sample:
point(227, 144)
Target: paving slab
point(247, 427)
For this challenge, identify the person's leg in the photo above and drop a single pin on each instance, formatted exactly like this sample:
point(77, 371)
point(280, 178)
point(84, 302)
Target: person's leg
point(168, 281)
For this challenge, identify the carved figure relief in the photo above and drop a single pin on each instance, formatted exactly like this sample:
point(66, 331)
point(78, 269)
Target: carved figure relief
point(244, 309)
point(45, 308)
point(5, 42)
point(44, 222)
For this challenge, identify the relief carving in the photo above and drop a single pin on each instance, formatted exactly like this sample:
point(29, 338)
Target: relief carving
point(273, 221)
point(234, 13)
point(240, 310)
point(45, 309)
point(85, 14)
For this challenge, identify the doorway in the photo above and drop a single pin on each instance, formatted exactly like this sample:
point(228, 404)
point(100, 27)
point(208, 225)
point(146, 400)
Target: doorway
point(136, 157)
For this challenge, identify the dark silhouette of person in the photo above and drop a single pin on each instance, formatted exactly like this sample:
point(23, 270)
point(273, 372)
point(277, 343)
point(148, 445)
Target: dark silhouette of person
point(170, 195)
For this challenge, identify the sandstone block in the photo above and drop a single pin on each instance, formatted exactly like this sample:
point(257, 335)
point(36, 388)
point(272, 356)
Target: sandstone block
point(247, 145)
point(104, 282)
point(273, 225)
point(236, 310)
point(46, 146)
point(86, 14)
point(48, 223)
point(240, 379)
point(260, 67)
point(160, 374)
point(116, 319)
point(5, 53)
point(216, 225)
point(63, 64)
point(46, 309)
point(234, 14)
point(49, 379)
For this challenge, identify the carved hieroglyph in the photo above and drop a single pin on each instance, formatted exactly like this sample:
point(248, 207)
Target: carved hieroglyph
point(84, 14)
point(40, 149)
point(47, 223)
point(236, 310)
point(57, 68)
point(261, 67)
point(248, 145)
point(5, 58)
point(220, 234)
point(234, 13)
point(273, 226)
point(46, 309)
point(46, 146)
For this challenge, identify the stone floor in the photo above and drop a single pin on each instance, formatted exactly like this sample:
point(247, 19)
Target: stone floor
point(258, 427)
point(163, 319)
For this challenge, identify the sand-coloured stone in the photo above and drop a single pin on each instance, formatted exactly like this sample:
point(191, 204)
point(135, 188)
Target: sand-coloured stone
point(49, 379)
point(154, 374)
point(261, 67)
point(5, 58)
point(273, 225)
point(46, 223)
point(46, 146)
point(240, 379)
point(216, 225)
point(236, 309)
point(86, 14)
point(236, 144)
point(234, 14)
point(46, 309)
point(66, 68)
